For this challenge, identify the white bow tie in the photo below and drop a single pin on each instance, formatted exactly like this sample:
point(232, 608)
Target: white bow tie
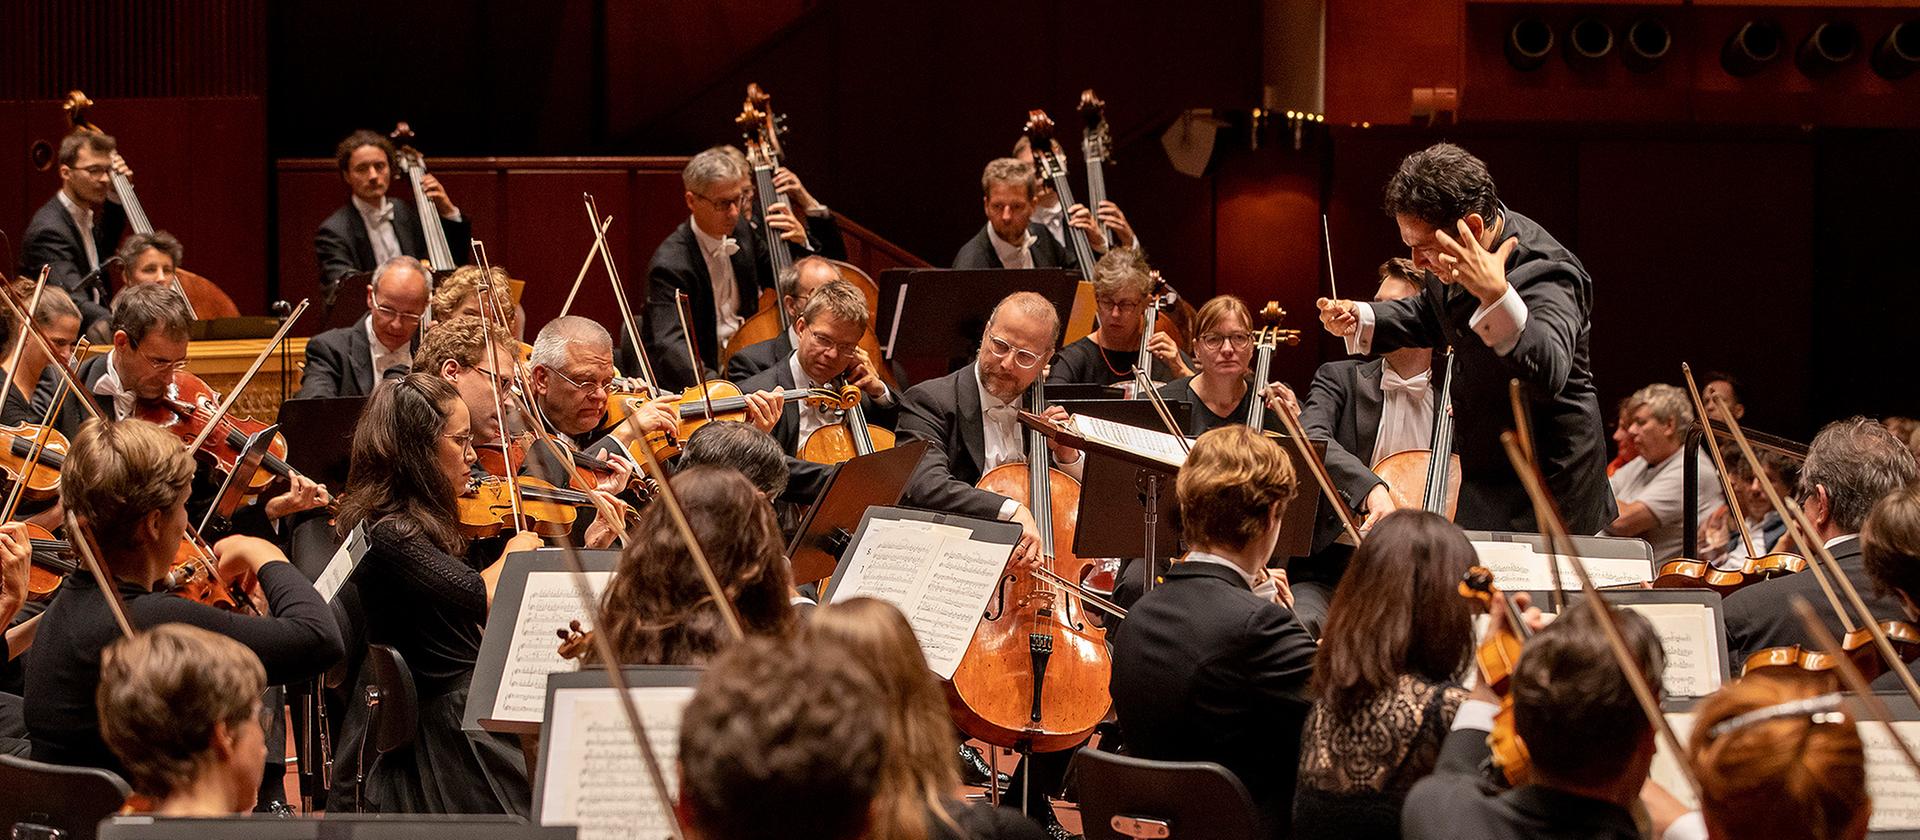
point(728, 247)
point(1392, 383)
point(384, 214)
point(1001, 413)
point(109, 386)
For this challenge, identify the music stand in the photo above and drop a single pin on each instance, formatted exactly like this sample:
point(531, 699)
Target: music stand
point(319, 433)
point(879, 479)
point(931, 318)
point(343, 302)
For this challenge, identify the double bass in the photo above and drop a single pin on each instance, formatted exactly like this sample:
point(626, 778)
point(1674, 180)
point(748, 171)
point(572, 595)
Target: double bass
point(1034, 677)
point(204, 299)
point(1051, 170)
point(414, 164)
point(1096, 150)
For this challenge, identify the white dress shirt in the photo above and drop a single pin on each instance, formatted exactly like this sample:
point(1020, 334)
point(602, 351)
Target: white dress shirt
point(1661, 487)
point(1406, 412)
point(1499, 324)
point(1262, 585)
point(718, 253)
point(1005, 439)
point(379, 221)
point(108, 385)
point(384, 358)
point(813, 415)
point(1012, 255)
point(83, 217)
point(1054, 219)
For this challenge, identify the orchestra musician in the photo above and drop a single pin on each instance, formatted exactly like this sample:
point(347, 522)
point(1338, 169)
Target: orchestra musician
point(458, 294)
point(828, 330)
point(456, 350)
point(1223, 353)
point(718, 260)
point(1513, 303)
point(1650, 490)
point(1010, 238)
point(569, 381)
point(424, 595)
point(78, 229)
point(347, 361)
point(1720, 543)
point(1890, 553)
point(1590, 743)
point(1048, 213)
point(16, 562)
point(1121, 287)
point(372, 228)
point(180, 707)
point(156, 258)
point(808, 274)
point(57, 320)
point(1851, 465)
point(1776, 758)
point(129, 481)
point(1211, 665)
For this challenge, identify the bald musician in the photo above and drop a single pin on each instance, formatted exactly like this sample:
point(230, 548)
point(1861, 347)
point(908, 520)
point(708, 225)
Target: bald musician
point(347, 361)
point(1513, 303)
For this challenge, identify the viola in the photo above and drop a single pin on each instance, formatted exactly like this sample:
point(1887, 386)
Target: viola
point(514, 461)
point(1433, 472)
point(195, 576)
point(1495, 659)
point(185, 409)
point(723, 398)
point(1035, 673)
point(487, 507)
point(53, 560)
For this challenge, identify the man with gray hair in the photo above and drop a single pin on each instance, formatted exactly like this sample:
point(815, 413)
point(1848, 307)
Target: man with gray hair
point(1010, 239)
point(721, 261)
point(1650, 489)
point(1851, 465)
point(347, 361)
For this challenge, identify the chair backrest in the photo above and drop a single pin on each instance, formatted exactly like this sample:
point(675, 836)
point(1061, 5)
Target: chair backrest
point(1122, 798)
point(72, 799)
point(394, 722)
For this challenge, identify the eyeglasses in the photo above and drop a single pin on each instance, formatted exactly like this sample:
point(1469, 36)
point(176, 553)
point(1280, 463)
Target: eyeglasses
point(464, 439)
point(726, 203)
point(393, 314)
point(100, 170)
point(841, 348)
point(159, 365)
point(504, 382)
point(1000, 347)
point(589, 387)
point(1240, 341)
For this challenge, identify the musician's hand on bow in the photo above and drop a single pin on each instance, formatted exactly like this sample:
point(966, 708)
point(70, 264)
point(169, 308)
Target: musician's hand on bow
point(120, 166)
point(1162, 347)
point(438, 195)
point(1062, 453)
point(780, 217)
point(862, 375)
point(1465, 261)
point(787, 184)
point(303, 494)
point(1026, 553)
point(602, 532)
point(1379, 504)
point(1077, 216)
point(1109, 214)
point(763, 410)
point(1277, 395)
point(522, 541)
point(1282, 590)
point(16, 557)
point(1340, 317)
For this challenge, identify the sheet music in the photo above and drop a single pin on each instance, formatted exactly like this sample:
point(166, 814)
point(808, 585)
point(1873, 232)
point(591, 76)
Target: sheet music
point(548, 605)
point(938, 575)
point(344, 561)
point(595, 778)
point(1516, 566)
point(1693, 654)
point(1665, 771)
point(1890, 781)
point(1157, 445)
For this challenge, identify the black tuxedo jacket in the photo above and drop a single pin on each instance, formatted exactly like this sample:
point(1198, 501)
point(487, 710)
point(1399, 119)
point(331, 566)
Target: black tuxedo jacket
point(340, 363)
point(757, 357)
point(1762, 615)
point(1204, 670)
point(1343, 408)
point(805, 479)
point(678, 266)
point(53, 239)
point(945, 413)
point(1552, 357)
point(1047, 251)
point(1452, 803)
point(343, 245)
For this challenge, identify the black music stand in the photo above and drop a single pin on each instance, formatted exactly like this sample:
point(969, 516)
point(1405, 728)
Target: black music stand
point(931, 318)
point(343, 302)
point(319, 432)
point(879, 479)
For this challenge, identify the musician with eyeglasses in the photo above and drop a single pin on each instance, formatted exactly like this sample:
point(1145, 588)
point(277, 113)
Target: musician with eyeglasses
point(1221, 392)
point(347, 361)
point(77, 230)
point(1122, 288)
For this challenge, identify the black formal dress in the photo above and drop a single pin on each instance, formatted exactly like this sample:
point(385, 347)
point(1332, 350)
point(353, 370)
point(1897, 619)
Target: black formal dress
point(1551, 355)
point(1355, 771)
point(759, 356)
point(1047, 251)
point(805, 479)
point(1202, 419)
point(53, 239)
point(343, 245)
point(1085, 362)
point(296, 642)
point(1451, 804)
point(340, 363)
point(430, 606)
point(1762, 616)
point(1205, 670)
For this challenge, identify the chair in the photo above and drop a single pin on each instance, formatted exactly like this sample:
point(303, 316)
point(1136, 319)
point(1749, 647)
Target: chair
point(1122, 797)
point(71, 799)
point(393, 710)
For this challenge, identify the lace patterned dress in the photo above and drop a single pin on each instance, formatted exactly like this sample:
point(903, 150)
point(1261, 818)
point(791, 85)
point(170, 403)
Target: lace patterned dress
point(1355, 773)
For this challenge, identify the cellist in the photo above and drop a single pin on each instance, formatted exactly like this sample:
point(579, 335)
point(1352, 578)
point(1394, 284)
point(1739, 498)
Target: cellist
point(795, 287)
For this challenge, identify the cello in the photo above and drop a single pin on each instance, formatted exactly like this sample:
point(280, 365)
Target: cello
point(204, 298)
point(1267, 339)
point(847, 439)
point(1435, 470)
point(1034, 677)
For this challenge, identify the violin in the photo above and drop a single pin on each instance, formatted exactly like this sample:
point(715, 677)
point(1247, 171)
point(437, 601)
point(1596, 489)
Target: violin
point(512, 463)
point(847, 439)
point(487, 507)
point(1858, 646)
point(43, 476)
point(185, 409)
point(195, 576)
point(1266, 340)
point(1035, 673)
point(1435, 471)
point(1495, 659)
point(53, 560)
point(723, 398)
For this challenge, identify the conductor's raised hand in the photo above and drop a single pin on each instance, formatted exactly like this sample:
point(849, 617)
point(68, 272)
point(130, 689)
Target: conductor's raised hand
point(1340, 317)
point(1464, 261)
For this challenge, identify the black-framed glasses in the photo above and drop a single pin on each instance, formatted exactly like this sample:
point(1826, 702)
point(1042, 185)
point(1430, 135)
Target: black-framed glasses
point(1213, 341)
point(738, 201)
point(1001, 347)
